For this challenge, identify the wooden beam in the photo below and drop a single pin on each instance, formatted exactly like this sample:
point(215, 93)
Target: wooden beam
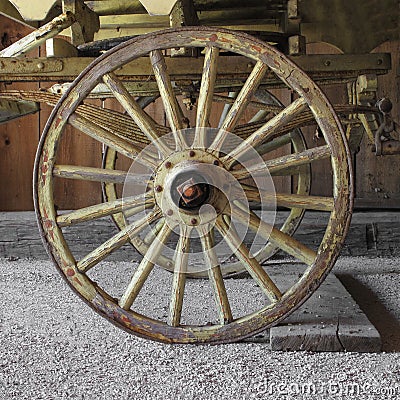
point(184, 68)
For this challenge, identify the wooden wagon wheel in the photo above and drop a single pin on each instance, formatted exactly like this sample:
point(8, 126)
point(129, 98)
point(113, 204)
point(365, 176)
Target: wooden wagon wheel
point(292, 220)
point(278, 301)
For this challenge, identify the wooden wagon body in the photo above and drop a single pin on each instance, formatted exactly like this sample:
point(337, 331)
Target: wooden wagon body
point(224, 152)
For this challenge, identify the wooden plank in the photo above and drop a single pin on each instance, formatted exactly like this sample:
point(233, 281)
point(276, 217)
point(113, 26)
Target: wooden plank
point(134, 6)
point(329, 321)
point(18, 232)
point(18, 138)
point(190, 68)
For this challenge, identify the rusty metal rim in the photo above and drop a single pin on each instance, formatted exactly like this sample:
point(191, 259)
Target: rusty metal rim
point(336, 230)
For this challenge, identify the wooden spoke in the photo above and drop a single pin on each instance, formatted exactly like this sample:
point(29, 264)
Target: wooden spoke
point(260, 116)
point(319, 203)
point(274, 144)
point(287, 171)
point(305, 119)
point(137, 203)
point(144, 268)
point(215, 277)
point(154, 231)
point(172, 109)
point(142, 120)
point(250, 263)
point(116, 241)
point(179, 278)
point(265, 148)
point(204, 101)
point(240, 104)
point(228, 104)
point(228, 100)
point(285, 242)
point(270, 128)
point(109, 139)
point(97, 174)
point(277, 165)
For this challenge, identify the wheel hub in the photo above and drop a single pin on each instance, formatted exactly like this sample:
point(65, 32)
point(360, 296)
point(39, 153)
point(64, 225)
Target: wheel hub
point(192, 193)
point(188, 187)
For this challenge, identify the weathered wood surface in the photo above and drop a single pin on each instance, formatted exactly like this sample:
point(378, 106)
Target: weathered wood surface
point(329, 321)
point(378, 177)
point(18, 138)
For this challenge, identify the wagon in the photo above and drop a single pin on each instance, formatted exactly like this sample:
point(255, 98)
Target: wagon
point(210, 189)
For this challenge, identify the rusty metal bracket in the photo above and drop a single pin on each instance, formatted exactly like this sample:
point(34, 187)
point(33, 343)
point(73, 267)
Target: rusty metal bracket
point(390, 147)
point(379, 132)
point(30, 66)
point(385, 144)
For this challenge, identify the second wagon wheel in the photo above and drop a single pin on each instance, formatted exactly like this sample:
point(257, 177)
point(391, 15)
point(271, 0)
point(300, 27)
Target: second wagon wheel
point(293, 141)
point(186, 179)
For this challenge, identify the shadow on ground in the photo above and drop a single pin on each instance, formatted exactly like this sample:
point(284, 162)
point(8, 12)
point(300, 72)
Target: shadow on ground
point(384, 319)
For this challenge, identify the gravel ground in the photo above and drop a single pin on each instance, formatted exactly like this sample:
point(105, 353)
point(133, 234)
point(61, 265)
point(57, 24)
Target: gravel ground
point(55, 347)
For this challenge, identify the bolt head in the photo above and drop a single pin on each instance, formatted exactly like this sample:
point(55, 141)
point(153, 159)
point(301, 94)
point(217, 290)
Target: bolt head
point(192, 153)
point(384, 105)
point(193, 221)
point(158, 188)
point(169, 212)
point(168, 164)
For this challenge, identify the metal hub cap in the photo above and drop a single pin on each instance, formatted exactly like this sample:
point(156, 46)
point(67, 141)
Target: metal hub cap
point(191, 189)
point(192, 193)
